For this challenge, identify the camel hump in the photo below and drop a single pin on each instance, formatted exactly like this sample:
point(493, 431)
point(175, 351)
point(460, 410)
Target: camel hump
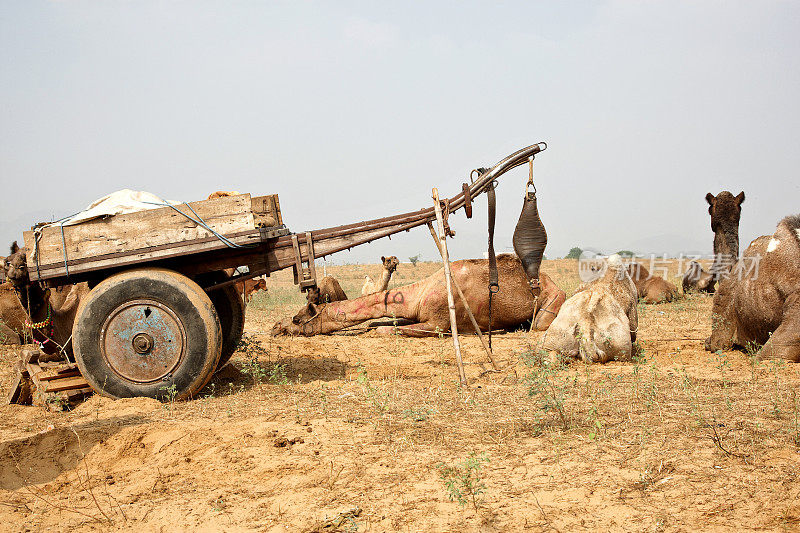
point(792, 224)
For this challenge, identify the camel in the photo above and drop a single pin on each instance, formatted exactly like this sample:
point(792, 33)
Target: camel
point(725, 210)
point(651, 289)
point(328, 290)
point(599, 323)
point(389, 266)
point(12, 315)
point(248, 287)
point(697, 279)
point(223, 194)
point(52, 309)
point(425, 305)
point(759, 302)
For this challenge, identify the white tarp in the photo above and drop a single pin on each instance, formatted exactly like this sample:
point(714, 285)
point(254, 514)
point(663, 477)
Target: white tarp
point(116, 203)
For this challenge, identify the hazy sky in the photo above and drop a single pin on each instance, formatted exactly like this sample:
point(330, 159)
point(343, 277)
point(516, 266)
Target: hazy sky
point(354, 110)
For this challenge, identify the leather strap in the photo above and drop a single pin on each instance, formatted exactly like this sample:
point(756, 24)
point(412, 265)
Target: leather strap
point(494, 285)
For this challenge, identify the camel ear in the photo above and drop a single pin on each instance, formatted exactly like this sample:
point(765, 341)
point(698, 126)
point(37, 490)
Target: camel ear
point(383, 259)
point(740, 198)
point(14, 247)
point(710, 198)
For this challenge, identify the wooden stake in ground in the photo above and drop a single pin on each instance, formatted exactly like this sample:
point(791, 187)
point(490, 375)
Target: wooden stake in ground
point(464, 301)
point(450, 302)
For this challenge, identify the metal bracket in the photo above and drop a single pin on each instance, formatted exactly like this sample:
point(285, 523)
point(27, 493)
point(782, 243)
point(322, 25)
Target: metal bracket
point(467, 200)
point(304, 276)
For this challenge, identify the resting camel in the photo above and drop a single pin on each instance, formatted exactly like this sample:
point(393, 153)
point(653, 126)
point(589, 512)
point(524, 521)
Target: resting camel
point(759, 302)
point(651, 289)
point(697, 279)
point(389, 266)
point(599, 323)
point(12, 315)
point(52, 309)
point(425, 303)
point(328, 290)
point(223, 194)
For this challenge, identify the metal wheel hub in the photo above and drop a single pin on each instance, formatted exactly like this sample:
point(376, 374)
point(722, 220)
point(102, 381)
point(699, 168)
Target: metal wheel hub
point(143, 340)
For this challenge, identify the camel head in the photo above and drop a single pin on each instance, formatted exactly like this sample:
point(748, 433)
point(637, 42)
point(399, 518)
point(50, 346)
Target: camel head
point(725, 210)
point(15, 267)
point(285, 327)
point(312, 296)
point(307, 313)
point(390, 263)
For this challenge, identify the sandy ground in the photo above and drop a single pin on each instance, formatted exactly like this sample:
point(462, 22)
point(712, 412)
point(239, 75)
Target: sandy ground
point(369, 433)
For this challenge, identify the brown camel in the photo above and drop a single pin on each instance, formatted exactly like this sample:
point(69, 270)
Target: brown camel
point(223, 194)
point(599, 323)
point(651, 289)
point(328, 290)
point(697, 279)
point(425, 303)
point(52, 311)
point(248, 287)
point(389, 266)
point(12, 316)
point(759, 302)
point(725, 210)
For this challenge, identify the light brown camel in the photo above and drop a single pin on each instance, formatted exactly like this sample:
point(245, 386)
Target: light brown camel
point(389, 266)
point(12, 315)
point(328, 290)
point(223, 194)
point(425, 303)
point(248, 287)
point(52, 310)
point(759, 302)
point(599, 323)
point(697, 279)
point(651, 289)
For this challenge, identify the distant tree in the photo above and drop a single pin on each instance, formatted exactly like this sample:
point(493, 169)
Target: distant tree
point(574, 253)
point(414, 260)
point(626, 253)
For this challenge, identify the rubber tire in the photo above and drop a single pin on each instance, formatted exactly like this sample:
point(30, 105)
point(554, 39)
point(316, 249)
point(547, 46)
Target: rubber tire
point(183, 297)
point(230, 309)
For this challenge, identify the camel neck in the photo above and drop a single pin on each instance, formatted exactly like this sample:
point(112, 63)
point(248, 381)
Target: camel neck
point(385, 277)
point(32, 297)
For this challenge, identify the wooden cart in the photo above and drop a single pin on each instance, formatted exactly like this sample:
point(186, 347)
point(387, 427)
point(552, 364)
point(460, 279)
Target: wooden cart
point(162, 314)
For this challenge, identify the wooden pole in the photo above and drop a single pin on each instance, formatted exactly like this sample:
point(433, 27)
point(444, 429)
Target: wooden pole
point(450, 302)
point(464, 301)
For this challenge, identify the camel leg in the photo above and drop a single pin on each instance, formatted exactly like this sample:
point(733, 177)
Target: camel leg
point(421, 329)
point(549, 310)
point(784, 343)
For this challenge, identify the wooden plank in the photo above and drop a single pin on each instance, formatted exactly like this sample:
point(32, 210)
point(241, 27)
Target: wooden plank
point(75, 382)
point(50, 376)
point(266, 211)
point(143, 229)
point(140, 257)
point(30, 355)
point(15, 392)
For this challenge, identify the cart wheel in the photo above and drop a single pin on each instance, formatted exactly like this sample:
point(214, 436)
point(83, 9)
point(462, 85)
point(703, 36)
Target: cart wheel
point(147, 332)
point(230, 309)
